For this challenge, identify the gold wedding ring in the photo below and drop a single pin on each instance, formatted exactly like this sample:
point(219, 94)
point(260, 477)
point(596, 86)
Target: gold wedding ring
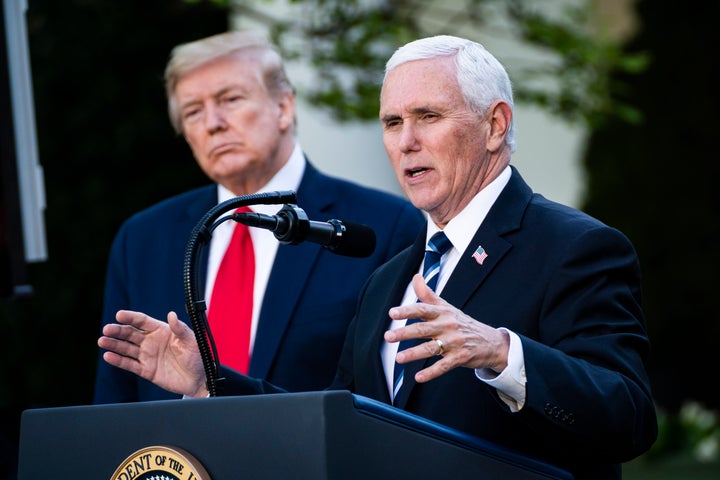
point(441, 347)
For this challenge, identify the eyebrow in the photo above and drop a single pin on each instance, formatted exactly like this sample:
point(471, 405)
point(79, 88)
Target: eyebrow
point(415, 111)
point(216, 94)
point(389, 118)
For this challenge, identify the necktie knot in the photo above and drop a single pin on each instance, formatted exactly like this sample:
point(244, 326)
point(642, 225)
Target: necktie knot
point(439, 243)
point(437, 246)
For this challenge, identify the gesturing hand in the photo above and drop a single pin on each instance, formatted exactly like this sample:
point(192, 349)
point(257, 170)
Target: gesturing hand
point(465, 341)
point(164, 353)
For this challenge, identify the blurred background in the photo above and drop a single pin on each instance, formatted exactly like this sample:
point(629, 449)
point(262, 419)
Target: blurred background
point(617, 105)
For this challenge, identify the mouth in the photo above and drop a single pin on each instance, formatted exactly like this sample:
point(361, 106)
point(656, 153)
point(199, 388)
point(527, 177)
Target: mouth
point(220, 149)
point(415, 172)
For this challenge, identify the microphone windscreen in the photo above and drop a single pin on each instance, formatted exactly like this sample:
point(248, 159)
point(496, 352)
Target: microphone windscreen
point(357, 241)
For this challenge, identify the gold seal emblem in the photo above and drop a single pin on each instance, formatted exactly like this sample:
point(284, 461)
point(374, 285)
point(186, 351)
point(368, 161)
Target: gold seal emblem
point(160, 463)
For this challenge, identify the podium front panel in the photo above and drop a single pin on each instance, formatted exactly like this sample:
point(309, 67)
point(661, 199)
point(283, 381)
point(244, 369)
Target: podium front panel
point(314, 435)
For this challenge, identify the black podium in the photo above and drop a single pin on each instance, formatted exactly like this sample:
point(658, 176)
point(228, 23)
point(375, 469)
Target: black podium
point(318, 436)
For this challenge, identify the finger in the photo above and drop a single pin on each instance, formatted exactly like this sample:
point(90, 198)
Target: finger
point(120, 361)
point(419, 309)
point(423, 350)
point(413, 310)
point(435, 370)
point(123, 332)
point(137, 319)
point(423, 330)
point(120, 347)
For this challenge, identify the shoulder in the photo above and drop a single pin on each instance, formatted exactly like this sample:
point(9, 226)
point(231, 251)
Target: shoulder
point(203, 198)
point(563, 235)
point(519, 207)
point(528, 219)
point(176, 214)
point(565, 221)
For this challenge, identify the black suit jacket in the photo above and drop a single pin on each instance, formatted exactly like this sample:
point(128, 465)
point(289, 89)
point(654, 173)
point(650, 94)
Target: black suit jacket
point(311, 294)
point(569, 286)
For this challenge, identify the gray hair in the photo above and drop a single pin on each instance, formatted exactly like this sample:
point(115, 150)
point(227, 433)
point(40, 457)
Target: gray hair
point(481, 77)
point(188, 56)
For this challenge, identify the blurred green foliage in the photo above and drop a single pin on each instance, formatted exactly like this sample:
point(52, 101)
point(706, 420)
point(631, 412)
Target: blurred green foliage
point(348, 42)
point(688, 447)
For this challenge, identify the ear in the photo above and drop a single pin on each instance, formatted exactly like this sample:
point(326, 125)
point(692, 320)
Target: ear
point(287, 111)
point(499, 116)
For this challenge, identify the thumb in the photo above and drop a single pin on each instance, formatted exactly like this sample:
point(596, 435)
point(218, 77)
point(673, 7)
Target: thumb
point(425, 293)
point(177, 327)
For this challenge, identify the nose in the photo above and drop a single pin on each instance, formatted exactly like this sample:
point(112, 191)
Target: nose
point(408, 140)
point(214, 119)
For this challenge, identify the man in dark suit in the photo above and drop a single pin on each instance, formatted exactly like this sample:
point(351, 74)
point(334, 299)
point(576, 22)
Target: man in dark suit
point(535, 339)
point(231, 100)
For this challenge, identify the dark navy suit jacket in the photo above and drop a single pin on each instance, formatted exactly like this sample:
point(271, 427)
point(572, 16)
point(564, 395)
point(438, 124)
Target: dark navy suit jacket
point(570, 287)
point(310, 298)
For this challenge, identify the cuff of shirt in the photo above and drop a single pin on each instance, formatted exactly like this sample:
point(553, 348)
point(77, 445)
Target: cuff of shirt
point(510, 383)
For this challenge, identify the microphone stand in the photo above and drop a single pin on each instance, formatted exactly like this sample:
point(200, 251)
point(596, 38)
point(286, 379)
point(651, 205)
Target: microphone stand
point(194, 303)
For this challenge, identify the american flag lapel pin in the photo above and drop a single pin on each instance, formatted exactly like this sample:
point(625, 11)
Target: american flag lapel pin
point(480, 255)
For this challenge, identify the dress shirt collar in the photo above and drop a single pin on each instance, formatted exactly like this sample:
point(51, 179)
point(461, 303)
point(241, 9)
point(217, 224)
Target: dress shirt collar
point(461, 229)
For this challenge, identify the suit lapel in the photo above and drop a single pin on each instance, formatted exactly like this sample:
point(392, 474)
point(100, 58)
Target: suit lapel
point(369, 342)
point(504, 217)
point(288, 276)
point(395, 291)
point(469, 274)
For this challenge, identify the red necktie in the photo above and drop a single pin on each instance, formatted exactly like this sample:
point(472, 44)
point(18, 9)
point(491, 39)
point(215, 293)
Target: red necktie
point(231, 305)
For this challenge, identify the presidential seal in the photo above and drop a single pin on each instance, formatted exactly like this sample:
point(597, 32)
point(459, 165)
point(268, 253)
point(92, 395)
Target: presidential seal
point(160, 463)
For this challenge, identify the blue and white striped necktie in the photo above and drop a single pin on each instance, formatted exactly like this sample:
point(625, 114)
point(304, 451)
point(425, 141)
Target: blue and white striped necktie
point(437, 246)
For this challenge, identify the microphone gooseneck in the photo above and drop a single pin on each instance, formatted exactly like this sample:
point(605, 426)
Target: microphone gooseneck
point(195, 304)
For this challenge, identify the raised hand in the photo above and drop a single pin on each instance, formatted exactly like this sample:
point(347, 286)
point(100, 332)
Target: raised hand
point(461, 340)
point(164, 353)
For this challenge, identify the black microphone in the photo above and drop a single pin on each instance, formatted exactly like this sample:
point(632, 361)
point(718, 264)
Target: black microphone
point(292, 226)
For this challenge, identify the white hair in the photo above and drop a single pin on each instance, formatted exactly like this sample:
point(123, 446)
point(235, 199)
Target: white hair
point(481, 77)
